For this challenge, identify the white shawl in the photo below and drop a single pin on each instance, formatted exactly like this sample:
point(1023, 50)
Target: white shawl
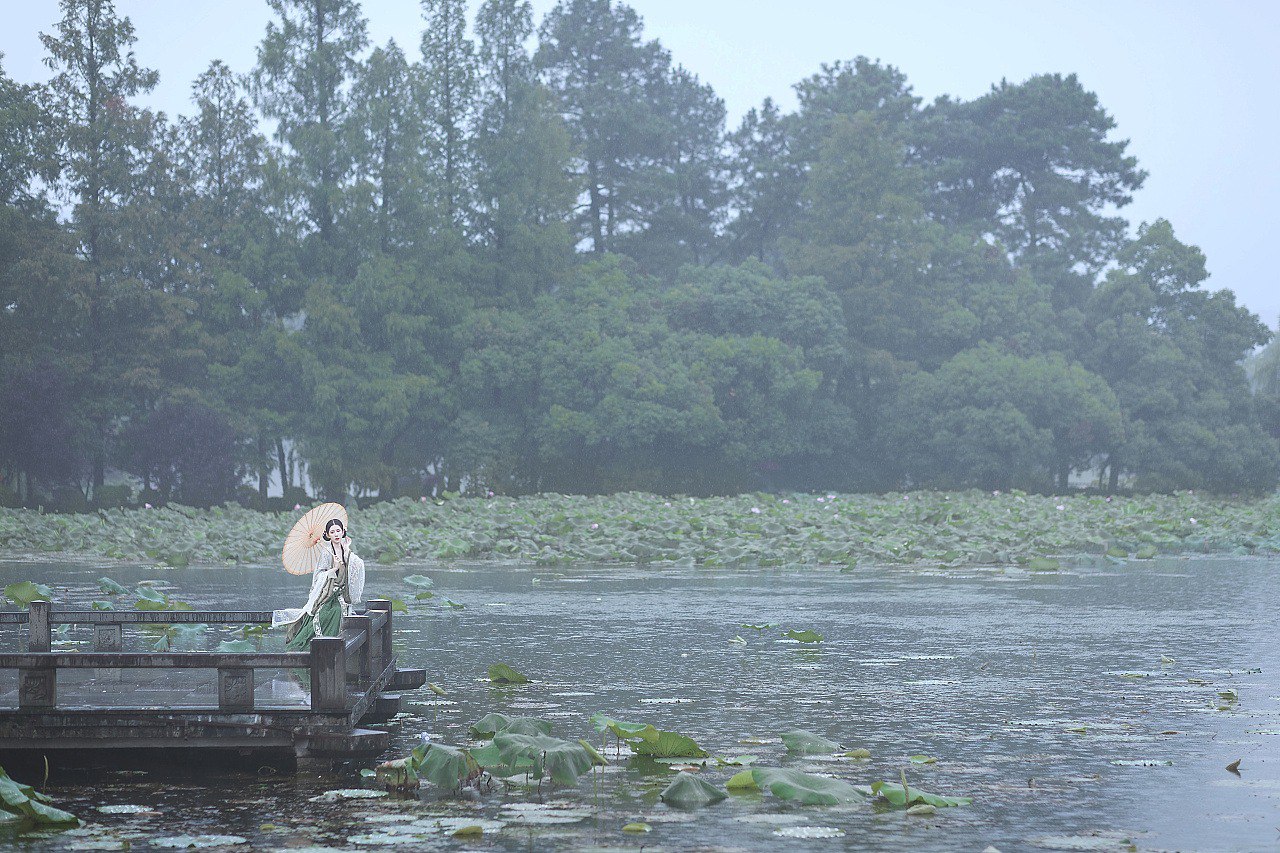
point(324, 572)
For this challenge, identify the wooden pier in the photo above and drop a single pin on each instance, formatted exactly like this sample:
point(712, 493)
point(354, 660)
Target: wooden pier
point(142, 705)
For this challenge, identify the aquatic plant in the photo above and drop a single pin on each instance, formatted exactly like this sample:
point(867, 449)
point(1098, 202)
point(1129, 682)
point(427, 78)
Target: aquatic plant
point(688, 790)
point(501, 673)
point(493, 723)
point(803, 788)
point(25, 592)
point(929, 528)
point(801, 742)
point(24, 803)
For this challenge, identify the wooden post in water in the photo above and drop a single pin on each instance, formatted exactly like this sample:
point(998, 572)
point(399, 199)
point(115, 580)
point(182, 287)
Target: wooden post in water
point(384, 653)
point(328, 674)
point(39, 627)
point(361, 624)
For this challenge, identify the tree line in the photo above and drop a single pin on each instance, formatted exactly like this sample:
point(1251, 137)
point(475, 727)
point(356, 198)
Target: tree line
point(519, 258)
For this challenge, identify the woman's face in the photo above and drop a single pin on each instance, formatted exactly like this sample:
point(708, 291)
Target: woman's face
point(336, 532)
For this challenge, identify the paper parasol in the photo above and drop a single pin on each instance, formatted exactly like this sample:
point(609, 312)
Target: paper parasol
point(303, 545)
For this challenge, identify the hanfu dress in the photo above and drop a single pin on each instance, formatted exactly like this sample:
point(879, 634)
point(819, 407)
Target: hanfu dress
point(337, 584)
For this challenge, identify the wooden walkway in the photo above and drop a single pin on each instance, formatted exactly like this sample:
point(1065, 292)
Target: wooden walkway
point(73, 705)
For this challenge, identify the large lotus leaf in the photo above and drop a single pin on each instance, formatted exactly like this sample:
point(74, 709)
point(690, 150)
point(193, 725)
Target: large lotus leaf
point(26, 803)
point(25, 592)
point(896, 795)
point(446, 766)
point(500, 673)
point(669, 745)
point(623, 730)
point(418, 580)
point(488, 758)
point(110, 587)
point(689, 790)
point(564, 761)
point(804, 788)
point(489, 725)
point(801, 742)
point(493, 723)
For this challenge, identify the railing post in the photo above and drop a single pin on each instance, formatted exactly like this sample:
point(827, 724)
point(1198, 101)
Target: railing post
point(108, 637)
point(384, 654)
point(39, 628)
point(38, 686)
point(235, 688)
point(364, 657)
point(328, 674)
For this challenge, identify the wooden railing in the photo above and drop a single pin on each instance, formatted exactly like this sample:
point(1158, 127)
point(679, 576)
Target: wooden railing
point(365, 648)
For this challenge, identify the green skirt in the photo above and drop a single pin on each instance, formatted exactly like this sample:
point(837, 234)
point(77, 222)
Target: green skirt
point(329, 615)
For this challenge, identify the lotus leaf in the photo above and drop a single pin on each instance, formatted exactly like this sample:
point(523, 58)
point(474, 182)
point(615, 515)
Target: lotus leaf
point(25, 592)
point(236, 646)
point(688, 790)
point(101, 605)
point(491, 724)
point(803, 636)
point(26, 803)
point(500, 673)
point(110, 587)
point(446, 766)
point(896, 795)
point(488, 758)
point(668, 745)
point(742, 781)
point(801, 742)
point(804, 788)
point(596, 757)
point(621, 729)
point(637, 827)
point(564, 761)
point(419, 580)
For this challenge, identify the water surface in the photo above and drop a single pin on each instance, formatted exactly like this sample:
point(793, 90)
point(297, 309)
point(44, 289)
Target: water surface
point(1026, 688)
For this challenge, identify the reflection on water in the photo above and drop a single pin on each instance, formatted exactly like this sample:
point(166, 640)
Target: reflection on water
point(1027, 688)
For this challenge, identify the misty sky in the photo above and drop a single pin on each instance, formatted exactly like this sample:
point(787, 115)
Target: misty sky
point(1195, 86)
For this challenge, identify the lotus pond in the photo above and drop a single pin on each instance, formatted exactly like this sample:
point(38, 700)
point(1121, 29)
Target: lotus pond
point(921, 528)
point(1094, 707)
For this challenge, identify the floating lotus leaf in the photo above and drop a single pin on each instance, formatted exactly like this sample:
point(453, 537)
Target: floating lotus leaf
point(804, 788)
point(500, 673)
point(688, 790)
point(182, 842)
point(894, 794)
point(419, 580)
point(801, 742)
point(236, 646)
point(742, 781)
point(803, 636)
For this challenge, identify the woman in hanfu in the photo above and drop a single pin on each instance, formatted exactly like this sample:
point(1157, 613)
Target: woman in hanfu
point(337, 585)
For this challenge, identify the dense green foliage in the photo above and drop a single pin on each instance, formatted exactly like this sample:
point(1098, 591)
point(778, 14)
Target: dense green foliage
point(919, 528)
point(524, 259)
